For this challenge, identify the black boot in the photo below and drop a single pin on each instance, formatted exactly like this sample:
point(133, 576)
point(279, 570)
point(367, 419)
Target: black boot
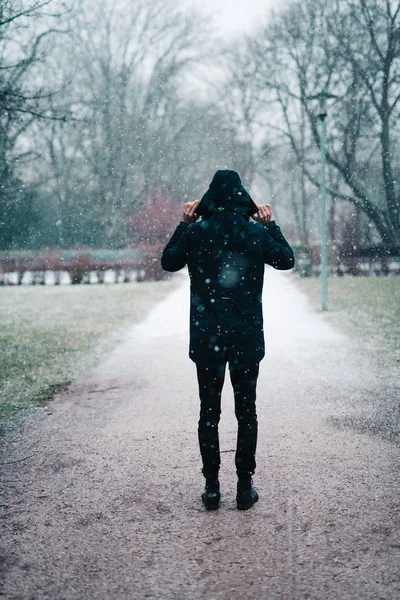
point(246, 495)
point(211, 495)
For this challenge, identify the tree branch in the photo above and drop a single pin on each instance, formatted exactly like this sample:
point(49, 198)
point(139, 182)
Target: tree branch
point(25, 13)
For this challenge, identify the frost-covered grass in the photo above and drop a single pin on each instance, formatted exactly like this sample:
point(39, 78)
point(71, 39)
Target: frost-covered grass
point(367, 306)
point(49, 334)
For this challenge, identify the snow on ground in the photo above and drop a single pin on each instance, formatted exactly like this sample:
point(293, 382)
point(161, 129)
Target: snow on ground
point(109, 505)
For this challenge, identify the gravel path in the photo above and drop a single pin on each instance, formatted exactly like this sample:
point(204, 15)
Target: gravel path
point(108, 504)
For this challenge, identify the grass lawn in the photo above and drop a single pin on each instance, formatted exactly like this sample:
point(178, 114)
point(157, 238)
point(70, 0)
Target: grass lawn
point(49, 334)
point(366, 306)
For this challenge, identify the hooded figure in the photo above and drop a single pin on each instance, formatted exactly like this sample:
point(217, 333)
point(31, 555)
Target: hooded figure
point(226, 253)
point(226, 194)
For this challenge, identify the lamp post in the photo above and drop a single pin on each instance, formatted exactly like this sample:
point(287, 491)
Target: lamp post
point(322, 114)
point(322, 97)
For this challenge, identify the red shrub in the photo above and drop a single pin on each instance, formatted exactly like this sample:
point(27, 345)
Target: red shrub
point(79, 267)
point(153, 225)
point(156, 219)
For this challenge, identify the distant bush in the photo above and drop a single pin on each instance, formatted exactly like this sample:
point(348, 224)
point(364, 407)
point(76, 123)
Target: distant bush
point(78, 268)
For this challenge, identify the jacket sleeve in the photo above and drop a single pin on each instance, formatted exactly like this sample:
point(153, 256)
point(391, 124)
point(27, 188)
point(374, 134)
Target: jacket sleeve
point(175, 254)
point(277, 251)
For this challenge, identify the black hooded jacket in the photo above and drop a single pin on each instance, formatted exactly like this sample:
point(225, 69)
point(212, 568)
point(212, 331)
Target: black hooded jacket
point(225, 253)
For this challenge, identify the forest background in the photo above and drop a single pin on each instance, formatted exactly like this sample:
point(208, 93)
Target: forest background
point(113, 114)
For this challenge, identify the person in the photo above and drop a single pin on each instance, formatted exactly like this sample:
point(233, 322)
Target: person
point(225, 252)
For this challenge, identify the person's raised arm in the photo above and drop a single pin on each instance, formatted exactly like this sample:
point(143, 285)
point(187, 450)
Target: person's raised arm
point(174, 256)
point(277, 251)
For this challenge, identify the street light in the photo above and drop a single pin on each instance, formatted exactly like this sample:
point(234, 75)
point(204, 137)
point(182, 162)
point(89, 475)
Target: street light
point(322, 114)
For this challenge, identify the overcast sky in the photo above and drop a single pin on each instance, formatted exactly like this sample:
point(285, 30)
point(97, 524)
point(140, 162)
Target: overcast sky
point(234, 16)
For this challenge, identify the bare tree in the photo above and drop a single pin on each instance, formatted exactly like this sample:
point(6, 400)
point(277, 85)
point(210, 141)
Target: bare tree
point(351, 49)
point(129, 59)
point(239, 96)
point(107, 116)
point(135, 127)
point(26, 32)
point(247, 99)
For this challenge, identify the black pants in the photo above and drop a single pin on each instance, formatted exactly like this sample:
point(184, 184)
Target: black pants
point(244, 382)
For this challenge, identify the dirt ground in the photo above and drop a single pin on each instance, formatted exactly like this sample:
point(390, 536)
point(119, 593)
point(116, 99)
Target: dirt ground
point(103, 485)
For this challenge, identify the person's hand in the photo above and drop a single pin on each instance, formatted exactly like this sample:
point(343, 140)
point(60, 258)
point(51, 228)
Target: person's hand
point(189, 212)
point(264, 214)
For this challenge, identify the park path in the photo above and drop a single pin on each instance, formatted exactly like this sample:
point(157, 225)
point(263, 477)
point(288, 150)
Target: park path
point(108, 504)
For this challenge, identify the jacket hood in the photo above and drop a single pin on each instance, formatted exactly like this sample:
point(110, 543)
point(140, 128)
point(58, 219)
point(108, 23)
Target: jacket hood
point(226, 194)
